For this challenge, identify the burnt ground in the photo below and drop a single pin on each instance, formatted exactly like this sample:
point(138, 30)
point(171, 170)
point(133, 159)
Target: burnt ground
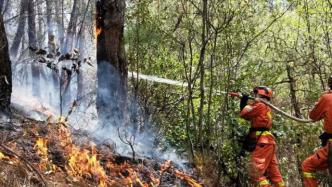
point(63, 158)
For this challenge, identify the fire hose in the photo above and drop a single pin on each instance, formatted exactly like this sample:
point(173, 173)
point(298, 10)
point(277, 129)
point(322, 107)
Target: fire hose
point(234, 94)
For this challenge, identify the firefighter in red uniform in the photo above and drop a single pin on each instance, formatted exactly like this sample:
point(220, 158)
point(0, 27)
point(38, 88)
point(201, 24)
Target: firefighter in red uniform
point(264, 168)
point(322, 158)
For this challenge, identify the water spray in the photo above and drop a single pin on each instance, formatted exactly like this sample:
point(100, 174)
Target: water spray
point(216, 92)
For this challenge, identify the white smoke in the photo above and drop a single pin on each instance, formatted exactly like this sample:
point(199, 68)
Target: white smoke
point(85, 116)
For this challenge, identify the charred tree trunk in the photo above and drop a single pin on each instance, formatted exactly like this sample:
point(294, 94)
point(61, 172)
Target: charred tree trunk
point(5, 72)
point(112, 72)
point(20, 29)
point(65, 97)
point(33, 43)
point(71, 31)
point(40, 31)
point(50, 31)
point(60, 23)
point(32, 24)
point(2, 2)
point(79, 79)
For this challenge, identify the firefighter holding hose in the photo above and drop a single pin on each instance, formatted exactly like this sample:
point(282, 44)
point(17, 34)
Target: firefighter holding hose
point(264, 167)
point(322, 158)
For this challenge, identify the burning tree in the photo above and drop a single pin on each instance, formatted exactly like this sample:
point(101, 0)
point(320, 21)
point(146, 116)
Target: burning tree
point(5, 71)
point(112, 69)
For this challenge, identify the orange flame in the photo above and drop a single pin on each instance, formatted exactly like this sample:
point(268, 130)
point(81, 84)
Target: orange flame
point(45, 164)
point(8, 159)
point(81, 162)
point(41, 146)
point(85, 163)
point(188, 179)
point(3, 157)
point(98, 31)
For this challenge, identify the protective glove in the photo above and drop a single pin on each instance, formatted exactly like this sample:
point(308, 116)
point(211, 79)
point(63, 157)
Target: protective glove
point(244, 100)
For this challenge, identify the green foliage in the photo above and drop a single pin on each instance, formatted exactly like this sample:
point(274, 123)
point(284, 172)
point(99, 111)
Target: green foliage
point(249, 43)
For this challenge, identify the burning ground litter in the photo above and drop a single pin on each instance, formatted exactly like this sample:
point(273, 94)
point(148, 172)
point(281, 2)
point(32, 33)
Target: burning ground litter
point(40, 153)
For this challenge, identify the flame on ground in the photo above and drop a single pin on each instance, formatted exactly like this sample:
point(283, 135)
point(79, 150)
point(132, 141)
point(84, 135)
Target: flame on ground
point(84, 163)
point(187, 178)
point(45, 164)
point(81, 162)
point(9, 160)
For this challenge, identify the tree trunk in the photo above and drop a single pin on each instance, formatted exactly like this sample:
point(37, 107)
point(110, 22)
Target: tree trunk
point(20, 29)
point(311, 42)
point(32, 24)
point(293, 92)
point(52, 40)
point(50, 30)
point(81, 45)
point(209, 130)
point(65, 94)
point(5, 72)
point(40, 35)
point(200, 137)
point(112, 68)
point(59, 23)
point(33, 43)
point(2, 2)
point(71, 31)
point(65, 79)
point(80, 91)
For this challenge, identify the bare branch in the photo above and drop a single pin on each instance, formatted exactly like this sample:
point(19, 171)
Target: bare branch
point(129, 140)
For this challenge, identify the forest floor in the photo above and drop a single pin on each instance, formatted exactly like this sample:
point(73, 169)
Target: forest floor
point(41, 153)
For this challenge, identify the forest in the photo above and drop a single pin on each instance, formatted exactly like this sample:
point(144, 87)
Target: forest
point(147, 93)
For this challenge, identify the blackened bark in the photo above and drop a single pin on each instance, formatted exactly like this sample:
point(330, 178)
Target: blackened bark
point(20, 28)
point(32, 24)
point(5, 72)
point(1, 5)
point(81, 46)
point(71, 31)
point(65, 96)
point(112, 71)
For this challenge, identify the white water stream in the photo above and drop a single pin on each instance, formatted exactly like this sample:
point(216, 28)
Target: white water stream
point(153, 78)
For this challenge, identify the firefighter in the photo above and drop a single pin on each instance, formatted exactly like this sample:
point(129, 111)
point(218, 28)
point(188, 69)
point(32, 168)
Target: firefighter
point(264, 167)
point(322, 158)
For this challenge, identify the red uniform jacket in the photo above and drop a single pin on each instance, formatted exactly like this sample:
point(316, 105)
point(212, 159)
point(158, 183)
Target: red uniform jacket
point(323, 109)
point(260, 116)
